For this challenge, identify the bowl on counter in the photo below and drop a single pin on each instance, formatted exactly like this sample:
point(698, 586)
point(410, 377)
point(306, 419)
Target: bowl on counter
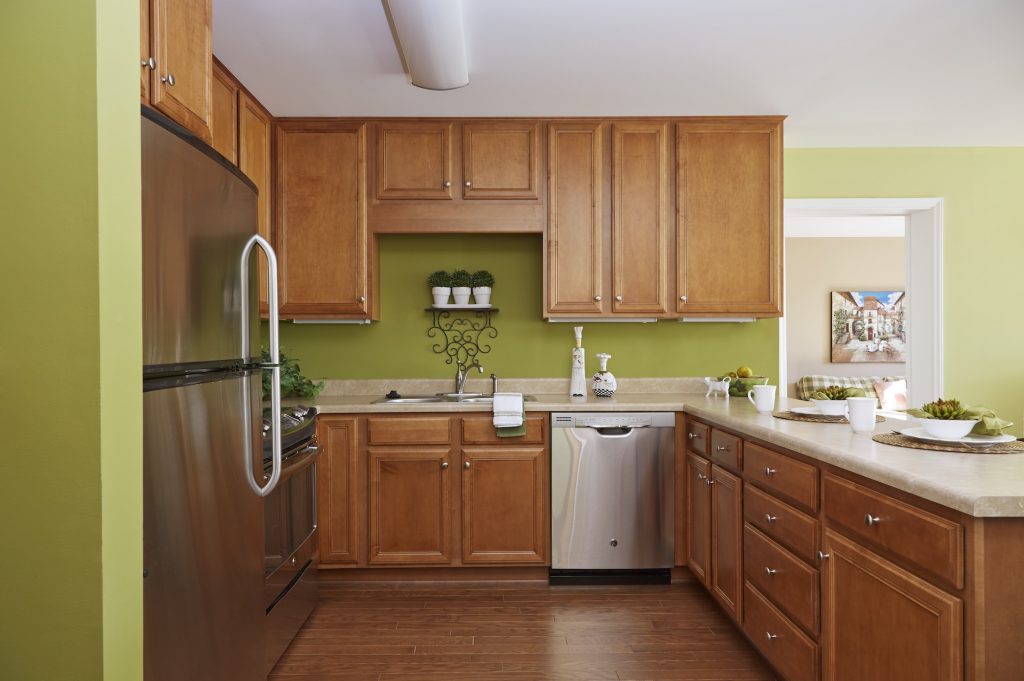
point(830, 407)
point(739, 387)
point(952, 429)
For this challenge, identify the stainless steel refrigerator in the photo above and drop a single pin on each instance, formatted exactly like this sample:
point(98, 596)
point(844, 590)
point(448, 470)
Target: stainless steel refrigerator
point(203, 478)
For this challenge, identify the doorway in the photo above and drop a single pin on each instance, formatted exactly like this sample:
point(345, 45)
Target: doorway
point(920, 223)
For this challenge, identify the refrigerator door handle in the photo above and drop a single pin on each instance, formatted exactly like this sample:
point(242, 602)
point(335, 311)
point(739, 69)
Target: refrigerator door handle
point(274, 365)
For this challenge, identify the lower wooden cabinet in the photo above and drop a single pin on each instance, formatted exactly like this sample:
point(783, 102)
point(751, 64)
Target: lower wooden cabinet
point(505, 505)
point(340, 493)
point(726, 574)
point(882, 622)
point(791, 652)
point(698, 516)
point(410, 505)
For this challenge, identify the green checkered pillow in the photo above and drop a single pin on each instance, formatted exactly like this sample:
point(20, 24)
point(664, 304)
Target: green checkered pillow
point(809, 384)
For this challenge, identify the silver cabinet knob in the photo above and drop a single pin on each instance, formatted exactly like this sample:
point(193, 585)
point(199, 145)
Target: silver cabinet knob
point(468, 183)
point(597, 298)
point(169, 79)
point(701, 476)
point(682, 298)
point(709, 482)
point(361, 299)
point(769, 471)
point(444, 465)
point(447, 183)
point(618, 299)
point(871, 520)
point(824, 556)
point(768, 572)
point(722, 448)
point(295, 561)
point(771, 636)
point(693, 436)
point(465, 465)
point(150, 62)
point(769, 518)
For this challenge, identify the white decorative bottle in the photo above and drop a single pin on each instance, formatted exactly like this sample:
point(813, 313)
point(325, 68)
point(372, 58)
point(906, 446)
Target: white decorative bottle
point(604, 384)
point(578, 377)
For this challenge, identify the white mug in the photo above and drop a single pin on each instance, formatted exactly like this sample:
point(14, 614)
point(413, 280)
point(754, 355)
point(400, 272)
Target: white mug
point(861, 412)
point(763, 398)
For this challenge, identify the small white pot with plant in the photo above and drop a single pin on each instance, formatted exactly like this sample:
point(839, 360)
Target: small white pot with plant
point(482, 281)
point(440, 283)
point(462, 282)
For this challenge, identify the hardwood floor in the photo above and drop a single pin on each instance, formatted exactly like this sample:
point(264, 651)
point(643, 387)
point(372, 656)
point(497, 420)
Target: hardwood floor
point(517, 631)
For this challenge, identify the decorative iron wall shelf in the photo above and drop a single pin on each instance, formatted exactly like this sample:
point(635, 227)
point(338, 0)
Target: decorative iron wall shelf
point(461, 332)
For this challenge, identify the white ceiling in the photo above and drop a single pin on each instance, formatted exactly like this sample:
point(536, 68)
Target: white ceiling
point(846, 72)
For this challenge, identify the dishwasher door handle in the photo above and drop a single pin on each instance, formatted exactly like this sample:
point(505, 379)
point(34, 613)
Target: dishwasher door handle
point(625, 431)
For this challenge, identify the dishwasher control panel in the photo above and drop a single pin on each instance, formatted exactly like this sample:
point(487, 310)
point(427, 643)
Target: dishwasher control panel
point(614, 419)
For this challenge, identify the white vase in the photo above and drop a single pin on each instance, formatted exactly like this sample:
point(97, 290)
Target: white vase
point(461, 294)
point(482, 295)
point(441, 294)
point(604, 383)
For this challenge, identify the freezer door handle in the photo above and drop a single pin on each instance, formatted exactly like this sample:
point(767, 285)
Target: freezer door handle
point(274, 365)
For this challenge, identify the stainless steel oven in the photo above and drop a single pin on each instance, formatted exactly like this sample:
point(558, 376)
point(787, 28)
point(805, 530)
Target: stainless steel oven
point(290, 543)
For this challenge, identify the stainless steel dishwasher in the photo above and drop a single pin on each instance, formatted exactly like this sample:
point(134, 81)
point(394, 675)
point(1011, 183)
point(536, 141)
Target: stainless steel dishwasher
point(612, 497)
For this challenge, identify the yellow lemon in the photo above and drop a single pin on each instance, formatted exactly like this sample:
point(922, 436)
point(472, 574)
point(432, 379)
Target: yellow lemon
point(744, 372)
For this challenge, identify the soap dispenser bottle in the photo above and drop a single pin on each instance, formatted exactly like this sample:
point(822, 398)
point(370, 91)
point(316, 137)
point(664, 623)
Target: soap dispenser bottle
point(578, 377)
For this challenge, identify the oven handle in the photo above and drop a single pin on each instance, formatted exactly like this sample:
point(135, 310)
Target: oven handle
point(299, 461)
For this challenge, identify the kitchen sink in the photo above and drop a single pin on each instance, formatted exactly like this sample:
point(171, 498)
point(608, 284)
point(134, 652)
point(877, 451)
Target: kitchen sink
point(469, 398)
point(424, 399)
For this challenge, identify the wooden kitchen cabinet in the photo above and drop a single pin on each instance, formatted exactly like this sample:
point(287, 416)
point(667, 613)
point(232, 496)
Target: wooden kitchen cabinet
point(146, 58)
point(181, 45)
point(505, 515)
point(698, 517)
point(409, 501)
point(414, 160)
point(341, 492)
point(254, 160)
point(224, 114)
point(641, 219)
point(321, 233)
point(729, 222)
point(726, 562)
point(880, 621)
point(574, 243)
point(501, 160)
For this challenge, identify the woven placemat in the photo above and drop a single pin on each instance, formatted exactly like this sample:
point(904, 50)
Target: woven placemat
point(1015, 447)
point(817, 418)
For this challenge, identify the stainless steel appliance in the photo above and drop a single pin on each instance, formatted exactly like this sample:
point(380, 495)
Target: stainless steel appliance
point(202, 504)
point(289, 555)
point(612, 482)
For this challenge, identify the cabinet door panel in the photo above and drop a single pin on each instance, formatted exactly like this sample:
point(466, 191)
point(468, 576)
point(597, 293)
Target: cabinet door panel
point(183, 47)
point(504, 505)
point(501, 160)
point(410, 508)
point(341, 497)
point(698, 517)
point(224, 117)
point(574, 239)
point(145, 50)
point(640, 217)
point(321, 226)
point(729, 225)
point(726, 581)
point(254, 161)
point(414, 161)
point(881, 622)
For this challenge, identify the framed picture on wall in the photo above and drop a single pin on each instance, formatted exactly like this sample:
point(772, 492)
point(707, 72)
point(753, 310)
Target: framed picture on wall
point(868, 326)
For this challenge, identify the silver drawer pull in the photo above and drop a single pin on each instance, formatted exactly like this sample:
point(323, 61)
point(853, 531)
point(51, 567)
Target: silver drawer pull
point(693, 436)
point(769, 518)
point(769, 471)
point(721, 448)
point(871, 520)
point(771, 636)
point(709, 482)
point(768, 572)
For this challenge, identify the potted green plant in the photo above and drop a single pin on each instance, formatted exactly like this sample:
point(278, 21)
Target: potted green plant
point(482, 282)
point(440, 283)
point(461, 283)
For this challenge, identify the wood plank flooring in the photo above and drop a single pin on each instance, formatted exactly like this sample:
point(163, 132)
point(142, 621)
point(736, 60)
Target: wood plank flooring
point(517, 631)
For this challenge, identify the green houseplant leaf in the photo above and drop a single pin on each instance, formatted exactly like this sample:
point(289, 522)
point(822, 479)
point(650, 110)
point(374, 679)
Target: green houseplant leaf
point(461, 279)
point(293, 383)
point(482, 278)
point(440, 279)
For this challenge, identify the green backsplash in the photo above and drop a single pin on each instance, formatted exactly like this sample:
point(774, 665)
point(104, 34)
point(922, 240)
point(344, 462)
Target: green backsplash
point(526, 345)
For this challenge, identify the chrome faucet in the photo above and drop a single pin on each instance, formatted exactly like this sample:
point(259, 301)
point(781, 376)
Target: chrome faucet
point(462, 373)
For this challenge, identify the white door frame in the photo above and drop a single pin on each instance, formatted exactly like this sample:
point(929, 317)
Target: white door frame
point(924, 282)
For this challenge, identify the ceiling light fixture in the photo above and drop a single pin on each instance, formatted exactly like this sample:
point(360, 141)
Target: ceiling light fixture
point(430, 41)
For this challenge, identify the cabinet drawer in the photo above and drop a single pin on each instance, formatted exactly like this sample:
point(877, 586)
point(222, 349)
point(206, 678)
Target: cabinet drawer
point(795, 530)
point(784, 476)
point(931, 542)
point(790, 650)
point(418, 430)
point(725, 450)
point(782, 577)
point(697, 435)
point(479, 430)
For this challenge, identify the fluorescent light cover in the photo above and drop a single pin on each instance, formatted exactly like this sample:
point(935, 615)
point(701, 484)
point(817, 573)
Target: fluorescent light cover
point(330, 321)
point(602, 320)
point(726, 320)
point(431, 41)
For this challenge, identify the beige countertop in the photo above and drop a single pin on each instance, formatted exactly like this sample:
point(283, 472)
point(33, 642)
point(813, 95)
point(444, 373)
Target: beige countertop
point(981, 485)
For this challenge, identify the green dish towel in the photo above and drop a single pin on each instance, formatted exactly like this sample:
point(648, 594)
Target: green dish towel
point(513, 431)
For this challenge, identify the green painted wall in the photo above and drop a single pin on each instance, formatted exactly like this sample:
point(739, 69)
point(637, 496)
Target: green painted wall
point(526, 345)
point(984, 242)
point(71, 335)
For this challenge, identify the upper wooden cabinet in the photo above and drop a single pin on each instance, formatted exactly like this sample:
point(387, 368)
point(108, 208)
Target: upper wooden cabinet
point(254, 160)
point(574, 243)
point(320, 229)
point(181, 77)
point(224, 115)
point(729, 229)
point(147, 62)
point(414, 160)
point(501, 160)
